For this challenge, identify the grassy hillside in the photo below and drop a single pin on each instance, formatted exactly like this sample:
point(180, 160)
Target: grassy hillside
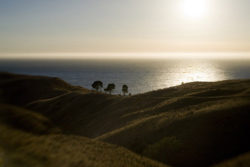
point(195, 124)
point(32, 144)
point(66, 151)
point(241, 161)
point(199, 137)
point(99, 113)
point(199, 123)
point(201, 127)
point(23, 89)
point(25, 120)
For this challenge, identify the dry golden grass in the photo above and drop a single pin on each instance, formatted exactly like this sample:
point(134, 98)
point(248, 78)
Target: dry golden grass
point(28, 140)
point(195, 124)
point(26, 150)
point(219, 131)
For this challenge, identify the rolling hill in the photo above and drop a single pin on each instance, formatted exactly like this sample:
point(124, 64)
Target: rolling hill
point(23, 89)
point(195, 124)
point(28, 139)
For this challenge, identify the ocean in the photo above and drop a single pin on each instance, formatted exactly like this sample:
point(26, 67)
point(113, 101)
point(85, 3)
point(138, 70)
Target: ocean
point(140, 75)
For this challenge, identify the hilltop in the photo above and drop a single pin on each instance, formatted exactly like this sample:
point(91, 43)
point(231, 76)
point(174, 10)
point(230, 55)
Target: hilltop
point(194, 124)
point(23, 89)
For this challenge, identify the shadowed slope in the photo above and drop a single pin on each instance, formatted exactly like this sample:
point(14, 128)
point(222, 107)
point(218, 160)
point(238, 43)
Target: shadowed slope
point(240, 161)
point(25, 120)
point(199, 137)
point(99, 113)
point(23, 89)
point(35, 149)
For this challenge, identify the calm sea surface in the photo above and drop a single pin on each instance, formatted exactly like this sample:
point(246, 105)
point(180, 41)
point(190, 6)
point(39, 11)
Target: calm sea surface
point(140, 75)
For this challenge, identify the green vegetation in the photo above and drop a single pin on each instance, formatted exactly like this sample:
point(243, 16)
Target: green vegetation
point(195, 124)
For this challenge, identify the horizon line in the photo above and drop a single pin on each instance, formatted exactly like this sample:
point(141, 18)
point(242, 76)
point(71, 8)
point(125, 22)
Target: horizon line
point(127, 55)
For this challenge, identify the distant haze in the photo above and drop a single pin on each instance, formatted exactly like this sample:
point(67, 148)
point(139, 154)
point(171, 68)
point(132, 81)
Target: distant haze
point(118, 28)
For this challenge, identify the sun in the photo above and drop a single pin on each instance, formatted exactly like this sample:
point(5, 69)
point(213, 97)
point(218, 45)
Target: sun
point(194, 9)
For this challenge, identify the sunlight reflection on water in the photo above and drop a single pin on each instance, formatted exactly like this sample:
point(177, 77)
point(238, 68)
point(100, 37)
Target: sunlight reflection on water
point(195, 71)
point(169, 74)
point(140, 75)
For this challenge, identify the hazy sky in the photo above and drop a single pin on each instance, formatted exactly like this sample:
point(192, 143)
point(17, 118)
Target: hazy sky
point(105, 26)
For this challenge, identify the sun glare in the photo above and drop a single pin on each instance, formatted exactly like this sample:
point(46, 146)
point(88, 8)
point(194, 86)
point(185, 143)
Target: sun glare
point(194, 9)
point(191, 71)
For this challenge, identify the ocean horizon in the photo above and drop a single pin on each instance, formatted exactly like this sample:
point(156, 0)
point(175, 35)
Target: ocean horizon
point(140, 75)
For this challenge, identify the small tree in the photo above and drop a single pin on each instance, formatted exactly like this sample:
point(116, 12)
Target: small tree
point(97, 85)
point(110, 88)
point(124, 89)
point(106, 90)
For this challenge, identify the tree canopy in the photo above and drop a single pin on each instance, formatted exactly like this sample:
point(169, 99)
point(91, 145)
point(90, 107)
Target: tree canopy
point(110, 88)
point(97, 85)
point(124, 89)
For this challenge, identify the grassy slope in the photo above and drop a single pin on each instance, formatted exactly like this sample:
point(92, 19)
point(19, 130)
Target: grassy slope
point(198, 137)
point(240, 161)
point(23, 89)
point(200, 128)
point(196, 124)
point(208, 122)
point(98, 113)
point(39, 145)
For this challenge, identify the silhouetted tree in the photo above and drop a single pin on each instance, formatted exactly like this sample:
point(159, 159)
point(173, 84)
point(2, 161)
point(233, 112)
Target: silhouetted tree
point(97, 85)
point(124, 89)
point(110, 88)
point(106, 90)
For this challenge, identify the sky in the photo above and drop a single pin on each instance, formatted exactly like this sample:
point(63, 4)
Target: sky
point(90, 27)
